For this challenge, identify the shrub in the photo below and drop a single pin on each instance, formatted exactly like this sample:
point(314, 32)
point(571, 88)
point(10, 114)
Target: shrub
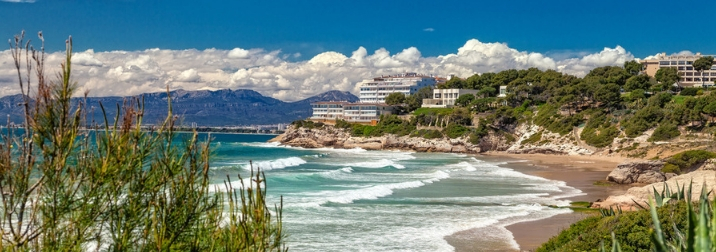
point(427, 134)
point(455, 131)
point(632, 230)
point(119, 188)
point(342, 124)
point(534, 138)
point(665, 132)
point(688, 159)
point(689, 91)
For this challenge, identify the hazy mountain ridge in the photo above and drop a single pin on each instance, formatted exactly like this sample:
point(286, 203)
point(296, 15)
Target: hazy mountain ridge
point(205, 108)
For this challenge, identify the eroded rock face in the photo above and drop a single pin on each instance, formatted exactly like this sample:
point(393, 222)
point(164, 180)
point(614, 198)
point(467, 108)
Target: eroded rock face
point(338, 138)
point(644, 172)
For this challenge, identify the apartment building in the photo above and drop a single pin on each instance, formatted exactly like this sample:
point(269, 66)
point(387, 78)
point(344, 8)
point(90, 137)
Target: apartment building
point(683, 64)
point(376, 89)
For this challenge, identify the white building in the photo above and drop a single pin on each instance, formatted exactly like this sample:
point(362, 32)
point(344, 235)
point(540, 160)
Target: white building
point(445, 98)
point(376, 89)
point(327, 110)
point(350, 112)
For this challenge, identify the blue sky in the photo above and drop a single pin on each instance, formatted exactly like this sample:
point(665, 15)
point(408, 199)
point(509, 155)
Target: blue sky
point(291, 50)
point(311, 27)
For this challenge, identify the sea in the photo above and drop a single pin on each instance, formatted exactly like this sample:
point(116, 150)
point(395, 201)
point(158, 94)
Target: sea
point(361, 200)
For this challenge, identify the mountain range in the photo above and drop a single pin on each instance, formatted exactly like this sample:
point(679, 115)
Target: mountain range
point(224, 107)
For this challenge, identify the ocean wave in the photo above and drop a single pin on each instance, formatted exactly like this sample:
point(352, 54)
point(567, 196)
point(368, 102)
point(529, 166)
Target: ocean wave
point(276, 164)
point(373, 192)
point(375, 164)
point(437, 176)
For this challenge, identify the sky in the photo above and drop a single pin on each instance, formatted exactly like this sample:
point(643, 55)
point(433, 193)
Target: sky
point(291, 49)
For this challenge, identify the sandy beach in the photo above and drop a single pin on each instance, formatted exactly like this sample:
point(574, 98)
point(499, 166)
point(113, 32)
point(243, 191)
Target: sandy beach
point(577, 171)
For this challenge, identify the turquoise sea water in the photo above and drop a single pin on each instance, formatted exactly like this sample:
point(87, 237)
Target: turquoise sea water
point(358, 200)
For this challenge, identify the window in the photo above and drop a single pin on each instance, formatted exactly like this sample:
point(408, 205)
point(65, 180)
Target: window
point(689, 62)
point(689, 68)
point(673, 63)
point(680, 68)
point(689, 79)
point(682, 62)
point(689, 74)
point(663, 63)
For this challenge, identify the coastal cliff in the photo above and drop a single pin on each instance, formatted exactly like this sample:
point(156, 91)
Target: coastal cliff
point(330, 136)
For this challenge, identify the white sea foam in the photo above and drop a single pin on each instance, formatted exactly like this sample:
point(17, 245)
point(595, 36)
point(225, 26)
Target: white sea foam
point(276, 164)
point(373, 192)
point(264, 145)
point(376, 164)
point(437, 176)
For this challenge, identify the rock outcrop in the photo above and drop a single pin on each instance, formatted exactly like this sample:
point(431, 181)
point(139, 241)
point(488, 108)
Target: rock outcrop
point(329, 136)
point(643, 172)
point(641, 195)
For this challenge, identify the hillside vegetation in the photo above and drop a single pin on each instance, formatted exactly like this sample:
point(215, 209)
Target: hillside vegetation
point(608, 103)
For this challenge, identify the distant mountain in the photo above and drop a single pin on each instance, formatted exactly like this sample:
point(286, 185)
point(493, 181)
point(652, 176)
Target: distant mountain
point(205, 108)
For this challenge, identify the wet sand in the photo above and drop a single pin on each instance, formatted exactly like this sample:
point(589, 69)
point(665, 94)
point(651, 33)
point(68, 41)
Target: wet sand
point(580, 172)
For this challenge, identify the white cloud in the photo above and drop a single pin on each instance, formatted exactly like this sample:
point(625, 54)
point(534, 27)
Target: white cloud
point(270, 73)
point(238, 53)
point(429, 29)
point(19, 1)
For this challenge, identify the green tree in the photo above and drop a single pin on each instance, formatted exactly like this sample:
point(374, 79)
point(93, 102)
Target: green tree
point(632, 67)
point(701, 64)
point(395, 99)
point(710, 110)
point(464, 100)
point(637, 82)
point(667, 76)
point(608, 95)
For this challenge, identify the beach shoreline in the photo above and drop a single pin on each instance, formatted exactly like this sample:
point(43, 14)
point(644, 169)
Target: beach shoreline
point(580, 172)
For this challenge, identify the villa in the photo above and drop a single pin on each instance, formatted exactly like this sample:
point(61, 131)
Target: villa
point(445, 98)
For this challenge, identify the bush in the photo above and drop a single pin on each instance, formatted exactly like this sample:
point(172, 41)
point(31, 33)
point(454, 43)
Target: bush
point(427, 134)
point(688, 159)
point(632, 230)
point(119, 188)
point(689, 91)
point(342, 124)
point(534, 138)
point(455, 131)
point(665, 132)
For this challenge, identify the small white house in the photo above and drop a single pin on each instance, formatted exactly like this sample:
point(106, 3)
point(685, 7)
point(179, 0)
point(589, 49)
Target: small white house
point(503, 91)
point(445, 98)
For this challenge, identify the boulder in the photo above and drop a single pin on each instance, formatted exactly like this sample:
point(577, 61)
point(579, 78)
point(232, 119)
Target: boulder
point(644, 172)
point(641, 195)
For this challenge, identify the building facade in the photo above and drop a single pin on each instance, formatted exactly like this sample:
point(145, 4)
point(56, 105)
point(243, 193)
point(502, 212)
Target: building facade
point(445, 98)
point(327, 111)
point(683, 64)
point(376, 89)
point(367, 113)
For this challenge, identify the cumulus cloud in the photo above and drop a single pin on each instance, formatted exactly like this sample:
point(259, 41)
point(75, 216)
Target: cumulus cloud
point(238, 53)
point(120, 73)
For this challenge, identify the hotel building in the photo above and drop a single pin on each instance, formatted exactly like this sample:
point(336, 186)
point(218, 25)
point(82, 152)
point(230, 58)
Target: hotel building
point(683, 64)
point(376, 89)
point(372, 99)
